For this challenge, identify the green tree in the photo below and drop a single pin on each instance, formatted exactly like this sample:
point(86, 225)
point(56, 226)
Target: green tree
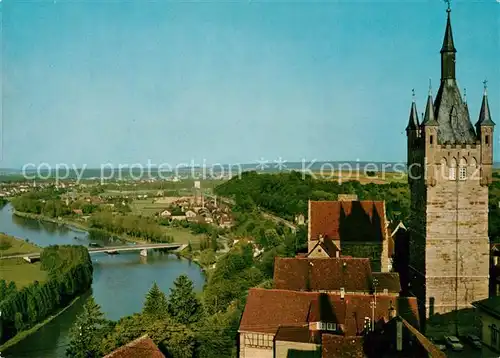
point(183, 305)
point(156, 302)
point(19, 324)
point(87, 332)
point(4, 245)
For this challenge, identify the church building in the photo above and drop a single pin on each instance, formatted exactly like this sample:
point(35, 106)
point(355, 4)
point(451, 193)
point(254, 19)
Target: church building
point(449, 169)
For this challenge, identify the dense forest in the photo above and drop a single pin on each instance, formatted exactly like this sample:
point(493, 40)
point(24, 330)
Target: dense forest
point(287, 194)
point(69, 271)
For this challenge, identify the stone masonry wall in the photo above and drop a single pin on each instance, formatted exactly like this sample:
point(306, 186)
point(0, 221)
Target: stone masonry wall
point(456, 219)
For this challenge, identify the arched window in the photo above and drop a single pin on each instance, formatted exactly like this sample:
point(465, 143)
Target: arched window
point(473, 162)
point(453, 169)
point(463, 169)
point(443, 168)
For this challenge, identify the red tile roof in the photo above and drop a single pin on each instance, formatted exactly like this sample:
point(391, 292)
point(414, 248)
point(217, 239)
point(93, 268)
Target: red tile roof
point(331, 274)
point(267, 310)
point(328, 274)
point(340, 346)
point(142, 347)
point(387, 280)
point(328, 246)
point(348, 220)
point(297, 334)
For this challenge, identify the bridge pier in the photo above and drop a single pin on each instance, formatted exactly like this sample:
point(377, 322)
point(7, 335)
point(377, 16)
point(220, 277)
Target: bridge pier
point(144, 253)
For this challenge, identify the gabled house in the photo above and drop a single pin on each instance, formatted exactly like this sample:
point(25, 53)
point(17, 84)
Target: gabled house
point(489, 313)
point(336, 275)
point(274, 317)
point(356, 228)
point(165, 214)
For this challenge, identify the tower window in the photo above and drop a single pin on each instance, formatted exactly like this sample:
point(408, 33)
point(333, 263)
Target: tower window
point(487, 139)
point(453, 173)
point(431, 139)
point(463, 173)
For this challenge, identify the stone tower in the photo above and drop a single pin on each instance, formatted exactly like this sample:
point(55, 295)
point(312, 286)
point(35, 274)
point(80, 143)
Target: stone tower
point(450, 167)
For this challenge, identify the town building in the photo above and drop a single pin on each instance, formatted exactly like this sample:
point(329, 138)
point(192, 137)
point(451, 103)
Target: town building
point(281, 323)
point(450, 167)
point(344, 275)
point(489, 313)
point(355, 228)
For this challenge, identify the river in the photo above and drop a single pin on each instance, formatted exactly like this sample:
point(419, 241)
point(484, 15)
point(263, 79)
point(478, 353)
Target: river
point(119, 286)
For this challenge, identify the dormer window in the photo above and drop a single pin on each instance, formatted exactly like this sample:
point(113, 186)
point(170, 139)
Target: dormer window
point(326, 326)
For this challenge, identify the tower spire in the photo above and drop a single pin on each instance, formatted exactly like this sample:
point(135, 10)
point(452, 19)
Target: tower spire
point(484, 113)
point(429, 118)
point(413, 123)
point(448, 50)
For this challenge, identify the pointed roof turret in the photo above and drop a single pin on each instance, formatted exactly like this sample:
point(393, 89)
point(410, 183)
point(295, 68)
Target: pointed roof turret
point(448, 44)
point(429, 119)
point(413, 123)
point(448, 51)
point(484, 113)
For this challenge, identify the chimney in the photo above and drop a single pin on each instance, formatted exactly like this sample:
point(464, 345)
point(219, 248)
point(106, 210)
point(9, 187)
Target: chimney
point(392, 311)
point(399, 336)
point(337, 254)
point(347, 197)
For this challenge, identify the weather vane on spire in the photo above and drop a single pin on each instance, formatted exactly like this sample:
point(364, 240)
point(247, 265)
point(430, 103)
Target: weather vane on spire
point(413, 94)
point(430, 86)
point(485, 83)
point(449, 5)
point(465, 95)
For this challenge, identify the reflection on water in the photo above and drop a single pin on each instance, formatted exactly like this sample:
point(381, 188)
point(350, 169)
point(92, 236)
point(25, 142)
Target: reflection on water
point(119, 286)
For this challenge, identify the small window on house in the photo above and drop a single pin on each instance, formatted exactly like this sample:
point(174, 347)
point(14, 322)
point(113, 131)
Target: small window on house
point(432, 139)
point(487, 139)
point(331, 326)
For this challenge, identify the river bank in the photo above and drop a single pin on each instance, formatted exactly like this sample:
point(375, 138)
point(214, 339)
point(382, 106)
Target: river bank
point(120, 282)
point(24, 334)
point(69, 223)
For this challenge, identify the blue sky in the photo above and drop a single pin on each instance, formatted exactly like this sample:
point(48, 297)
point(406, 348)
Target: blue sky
point(89, 82)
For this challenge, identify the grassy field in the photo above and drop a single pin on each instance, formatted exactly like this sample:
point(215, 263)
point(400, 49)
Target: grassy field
point(146, 207)
point(21, 272)
point(18, 246)
point(183, 236)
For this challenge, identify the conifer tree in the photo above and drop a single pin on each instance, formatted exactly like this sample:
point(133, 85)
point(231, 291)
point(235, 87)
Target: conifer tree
point(156, 302)
point(87, 332)
point(183, 305)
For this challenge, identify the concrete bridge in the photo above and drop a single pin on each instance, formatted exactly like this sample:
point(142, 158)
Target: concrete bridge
point(111, 250)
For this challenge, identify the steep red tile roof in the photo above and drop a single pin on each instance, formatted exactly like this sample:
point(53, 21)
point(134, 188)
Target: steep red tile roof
point(430, 347)
point(387, 280)
point(142, 347)
point(297, 334)
point(267, 310)
point(328, 246)
point(340, 346)
point(328, 274)
point(348, 220)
